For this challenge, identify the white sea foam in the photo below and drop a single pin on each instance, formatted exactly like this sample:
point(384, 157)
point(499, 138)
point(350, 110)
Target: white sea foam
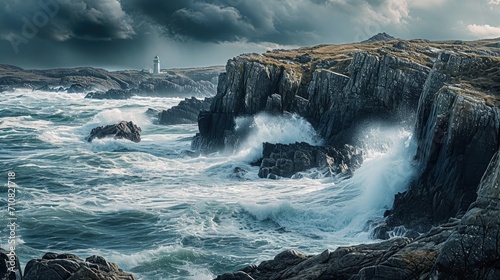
point(262, 128)
point(201, 217)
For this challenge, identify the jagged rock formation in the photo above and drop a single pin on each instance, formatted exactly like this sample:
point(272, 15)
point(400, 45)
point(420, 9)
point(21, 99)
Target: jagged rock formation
point(457, 131)
point(71, 267)
point(122, 130)
point(279, 160)
point(186, 112)
point(460, 249)
point(380, 37)
point(178, 82)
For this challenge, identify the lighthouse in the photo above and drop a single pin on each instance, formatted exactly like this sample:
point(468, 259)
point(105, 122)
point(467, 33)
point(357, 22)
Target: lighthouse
point(156, 69)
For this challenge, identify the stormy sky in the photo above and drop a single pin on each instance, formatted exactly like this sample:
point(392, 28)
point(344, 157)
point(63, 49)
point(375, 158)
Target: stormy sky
point(126, 34)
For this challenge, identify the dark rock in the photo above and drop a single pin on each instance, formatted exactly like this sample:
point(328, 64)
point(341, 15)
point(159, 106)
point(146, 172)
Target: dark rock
point(78, 88)
point(10, 268)
point(465, 248)
point(305, 58)
point(123, 130)
point(5, 88)
point(153, 113)
point(70, 267)
point(46, 88)
point(400, 45)
point(457, 136)
point(215, 130)
point(186, 112)
point(174, 85)
point(380, 37)
point(240, 275)
point(281, 160)
point(111, 94)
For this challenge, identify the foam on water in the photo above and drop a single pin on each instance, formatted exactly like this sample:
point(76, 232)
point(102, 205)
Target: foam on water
point(163, 215)
point(286, 129)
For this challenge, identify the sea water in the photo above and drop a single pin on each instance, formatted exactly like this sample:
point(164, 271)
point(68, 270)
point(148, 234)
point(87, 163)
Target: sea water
point(162, 214)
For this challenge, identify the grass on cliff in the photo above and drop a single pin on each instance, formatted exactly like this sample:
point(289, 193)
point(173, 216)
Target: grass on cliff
point(483, 78)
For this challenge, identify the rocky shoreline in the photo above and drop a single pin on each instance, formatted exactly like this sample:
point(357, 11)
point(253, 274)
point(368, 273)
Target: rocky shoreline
point(448, 218)
point(103, 84)
point(449, 90)
point(62, 267)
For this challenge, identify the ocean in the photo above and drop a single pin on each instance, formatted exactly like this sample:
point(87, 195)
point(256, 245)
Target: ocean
point(160, 213)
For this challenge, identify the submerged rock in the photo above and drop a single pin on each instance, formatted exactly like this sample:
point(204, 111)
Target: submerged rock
point(123, 130)
point(68, 267)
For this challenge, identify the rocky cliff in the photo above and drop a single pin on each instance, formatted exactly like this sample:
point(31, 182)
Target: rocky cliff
point(465, 248)
point(448, 91)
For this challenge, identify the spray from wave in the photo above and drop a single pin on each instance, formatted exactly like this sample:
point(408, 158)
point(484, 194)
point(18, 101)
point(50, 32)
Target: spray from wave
point(342, 208)
point(283, 129)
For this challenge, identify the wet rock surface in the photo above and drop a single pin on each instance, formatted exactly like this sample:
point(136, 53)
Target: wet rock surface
point(122, 130)
point(281, 160)
point(465, 248)
point(71, 267)
point(186, 112)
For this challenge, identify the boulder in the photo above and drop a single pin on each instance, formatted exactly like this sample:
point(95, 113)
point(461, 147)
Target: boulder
point(186, 112)
point(111, 94)
point(70, 267)
point(122, 130)
point(10, 268)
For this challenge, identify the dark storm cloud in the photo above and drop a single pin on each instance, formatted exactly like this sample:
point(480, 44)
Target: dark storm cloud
point(62, 20)
point(103, 32)
point(226, 20)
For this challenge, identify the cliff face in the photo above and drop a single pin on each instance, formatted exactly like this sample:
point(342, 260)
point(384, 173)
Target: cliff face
point(374, 88)
point(457, 132)
point(450, 88)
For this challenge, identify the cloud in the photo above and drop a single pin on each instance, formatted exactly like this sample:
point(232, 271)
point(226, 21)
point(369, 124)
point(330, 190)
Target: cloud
point(63, 20)
point(198, 32)
point(484, 31)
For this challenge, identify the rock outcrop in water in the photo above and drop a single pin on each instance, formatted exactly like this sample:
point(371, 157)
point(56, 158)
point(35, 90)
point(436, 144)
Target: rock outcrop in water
point(70, 267)
point(111, 94)
point(122, 130)
point(451, 89)
point(186, 112)
point(279, 160)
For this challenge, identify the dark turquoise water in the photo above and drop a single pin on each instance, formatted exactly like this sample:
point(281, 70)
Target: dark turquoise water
point(161, 214)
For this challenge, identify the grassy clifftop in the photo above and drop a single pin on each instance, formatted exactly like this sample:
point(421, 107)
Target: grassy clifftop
point(480, 79)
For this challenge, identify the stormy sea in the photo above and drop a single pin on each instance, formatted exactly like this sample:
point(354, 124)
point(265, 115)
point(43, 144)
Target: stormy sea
point(160, 212)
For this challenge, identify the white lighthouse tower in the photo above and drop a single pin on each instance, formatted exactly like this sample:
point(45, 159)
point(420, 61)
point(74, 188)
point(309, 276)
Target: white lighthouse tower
point(156, 69)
